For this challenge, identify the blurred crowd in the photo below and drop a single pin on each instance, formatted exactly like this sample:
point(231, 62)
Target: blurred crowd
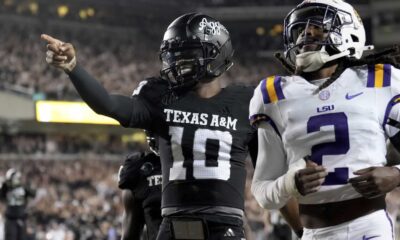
point(117, 60)
point(79, 200)
point(75, 199)
point(115, 63)
point(36, 144)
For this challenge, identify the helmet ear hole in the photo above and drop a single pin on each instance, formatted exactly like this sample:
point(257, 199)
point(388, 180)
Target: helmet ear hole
point(352, 51)
point(209, 71)
point(331, 50)
point(354, 38)
point(213, 52)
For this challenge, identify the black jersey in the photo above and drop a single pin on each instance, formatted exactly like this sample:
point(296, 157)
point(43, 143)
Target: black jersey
point(16, 199)
point(141, 173)
point(202, 142)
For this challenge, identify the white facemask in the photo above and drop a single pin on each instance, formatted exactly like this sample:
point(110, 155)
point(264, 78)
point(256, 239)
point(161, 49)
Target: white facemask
point(314, 60)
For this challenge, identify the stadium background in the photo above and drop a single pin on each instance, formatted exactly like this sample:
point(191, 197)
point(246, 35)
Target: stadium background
point(71, 161)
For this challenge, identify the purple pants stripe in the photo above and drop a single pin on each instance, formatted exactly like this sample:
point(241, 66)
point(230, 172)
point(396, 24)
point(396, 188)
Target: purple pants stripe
point(391, 224)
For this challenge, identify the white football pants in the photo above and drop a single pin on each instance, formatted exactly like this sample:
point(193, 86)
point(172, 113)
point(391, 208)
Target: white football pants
point(374, 226)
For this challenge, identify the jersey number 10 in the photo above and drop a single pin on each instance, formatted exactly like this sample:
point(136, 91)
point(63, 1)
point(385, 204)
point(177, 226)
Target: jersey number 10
point(200, 170)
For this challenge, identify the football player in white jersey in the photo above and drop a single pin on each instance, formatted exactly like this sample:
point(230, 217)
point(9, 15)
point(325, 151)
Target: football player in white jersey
point(323, 130)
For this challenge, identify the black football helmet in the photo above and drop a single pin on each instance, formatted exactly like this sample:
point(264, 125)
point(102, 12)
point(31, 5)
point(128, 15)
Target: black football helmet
point(195, 48)
point(13, 177)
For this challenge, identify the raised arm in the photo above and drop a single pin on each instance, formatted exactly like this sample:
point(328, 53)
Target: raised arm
point(63, 56)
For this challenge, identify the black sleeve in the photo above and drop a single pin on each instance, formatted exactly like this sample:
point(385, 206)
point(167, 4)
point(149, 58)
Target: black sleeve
point(395, 141)
point(253, 148)
point(93, 93)
point(30, 192)
point(3, 190)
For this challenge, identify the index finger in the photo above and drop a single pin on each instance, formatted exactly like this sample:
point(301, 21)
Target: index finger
point(310, 163)
point(363, 171)
point(311, 170)
point(359, 179)
point(50, 39)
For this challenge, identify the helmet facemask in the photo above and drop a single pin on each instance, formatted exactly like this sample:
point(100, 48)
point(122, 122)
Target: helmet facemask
point(185, 65)
point(152, 141)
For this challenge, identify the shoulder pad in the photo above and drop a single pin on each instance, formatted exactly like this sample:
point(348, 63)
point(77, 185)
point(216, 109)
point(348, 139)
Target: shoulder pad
point(152, 89)
point(241, 91)
point(271, 89)
point(129, 173)
point(136, 156)
point(379, 75)
point(154, 159)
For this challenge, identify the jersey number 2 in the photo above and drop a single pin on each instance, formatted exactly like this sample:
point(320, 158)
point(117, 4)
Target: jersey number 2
point(340, 146)
point(221, 171)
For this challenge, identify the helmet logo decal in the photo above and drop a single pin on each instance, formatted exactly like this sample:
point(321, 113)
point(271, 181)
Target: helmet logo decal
point(358, 17)
point(211, 28)
point(139, 88)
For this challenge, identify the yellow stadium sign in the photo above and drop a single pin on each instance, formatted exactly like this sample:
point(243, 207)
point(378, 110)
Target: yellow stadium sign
point(69, 112)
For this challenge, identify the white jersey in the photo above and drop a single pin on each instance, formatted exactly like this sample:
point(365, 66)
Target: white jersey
point(343, 127)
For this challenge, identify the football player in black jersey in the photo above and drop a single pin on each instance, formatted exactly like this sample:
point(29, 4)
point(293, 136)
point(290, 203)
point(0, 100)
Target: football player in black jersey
point(15, 195)
point(202, 127)
point(140, 179)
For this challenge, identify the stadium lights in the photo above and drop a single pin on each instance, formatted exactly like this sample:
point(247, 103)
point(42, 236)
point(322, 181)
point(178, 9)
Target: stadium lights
point(138, 136)
point(82, 14)
point(34, 7)
point(69, 112)
point(260, 31)
point(62, 10)
point(90, 12)
point(8, 2)
point(86, 13)
point(276, 30)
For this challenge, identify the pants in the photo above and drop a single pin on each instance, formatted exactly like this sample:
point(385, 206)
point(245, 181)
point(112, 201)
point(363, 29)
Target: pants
point(15, 229)
point(153, 221)
point(374, 226)
point(215, 227)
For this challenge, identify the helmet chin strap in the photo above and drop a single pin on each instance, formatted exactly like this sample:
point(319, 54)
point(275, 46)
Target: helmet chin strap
point(314, 60)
